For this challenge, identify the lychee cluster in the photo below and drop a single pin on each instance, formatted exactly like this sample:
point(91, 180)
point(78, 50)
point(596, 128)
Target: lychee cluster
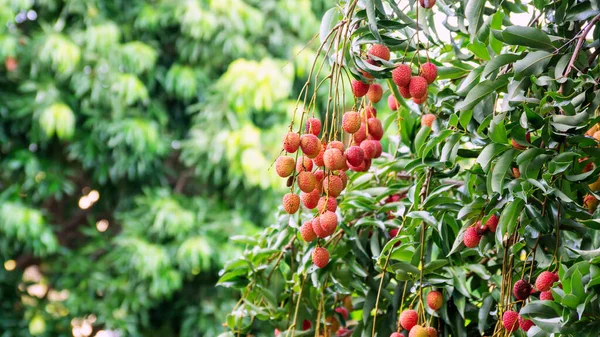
point(511, 321)
point(415, 87)
point(473, 234)
point(409, 320)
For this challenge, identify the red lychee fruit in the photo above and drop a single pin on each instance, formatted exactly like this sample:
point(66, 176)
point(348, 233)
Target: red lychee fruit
point(313, 126)
point(375, 128)
point(588, 167)
point(359, 88)
point(404, 92)
point(304, 164)
point(310, 200)
point(427, 3)
point(319, 175)
point(276, 332)
point(525, 324)
point(471, 238)
point(378, 148)
point(342, 311)
point(401, 75)
point(480, 229)
point(408, 319)
point(516, 173)
point(396, 334)
point(420, 100)
point(546, 296)
point(333, 185)
point(590, 203)
point(306, 231)
point(375, 93)
point(306, 325)
point(365, 73)
point(359, 168)
point(327, 204)
point(392, 103)
point(418, 331)
point(519, 146)
point(310, 145)
point(393, 233)
point(492, 223)
point(545, 280)
point(509, 321)
point(351, 121)
point(427, 120)
point(369, 149)
point(320, 257)
point(319, 231)
point(435, 300)
point(333, 159)
point(369, 112)
point(521, 290)
point(342, 176)
point(306, 181)
point(291, 142)
point(355, 155)
point(291, 203)
point(318, 160)
point(284, 166)
point(417, 86)
point(328, 222)
point(431, 332)
point(336, 144)
point(380, 51)
point(429, 72)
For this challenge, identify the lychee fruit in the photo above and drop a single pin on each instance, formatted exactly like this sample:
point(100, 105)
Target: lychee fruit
point(419, 100)
point(319, 175)
point(336, 144)
point(492, 223)
point(359, 88)
point(368, 148)
point(360, 135)
point(327, 204)
point(590, 202)
point(313, 125)
point(396, 334)
point(471, 238)
point(393, 233)
point(320, 257)
point(380, 51)
point(319, 231)
point(328, 222)
point(375, 93)
point(306, 325)
point(519, 146)
point(291, 142)
point(417, 86)
point(392, 104)
point(408, 319)
point(369, 112)
point(545, 280)
point(333, 185)
point(318, 160)
point(427, 3)
point(401, 75)
point(431, 332)
point(310, 200)
point(510, 320)
point(306, 231)
point(284, 166)
point(375, 128)
point(342, 311)
point(304, 164)
point(595, 186)
point(525, 324)
point(351, 121)
point(435, 300)
point(355, 155)
point(333, 159)
point(359, 168)
point(427, 120)
point(429, 72)
point(418, 331)
point(365, 73)
point(342, 176)
point(378, 148)
point(291, 203)
point(306, 181)
point(404, 92)
point(546, 296)
point(588, 167)
point(310, 145)
point(521, 290)
point(516, 173)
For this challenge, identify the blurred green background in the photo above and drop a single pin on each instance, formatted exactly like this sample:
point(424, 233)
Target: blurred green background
point(135, 140)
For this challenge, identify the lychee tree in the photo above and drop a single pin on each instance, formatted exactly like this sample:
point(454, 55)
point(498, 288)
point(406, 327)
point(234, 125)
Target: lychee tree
point(475, 214)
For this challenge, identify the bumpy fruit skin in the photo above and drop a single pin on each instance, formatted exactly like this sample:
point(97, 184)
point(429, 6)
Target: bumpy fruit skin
point(435, 300)
point(396, 334)
point(334, 159)
point(313, 126)
point(381, 51)
point(284, 166)
point(333, 185)
point(310, 145)
point(310, 200)
point(408, 319)
point(420, 100)
point(516, 173)
point(291, 142)
point(509, 320)
point(342, 311)
point(355, 155)
point(342, 176)
point(378, 148)
point(369, 149)
point(291, 203)
point(417, 86)
point(418, 331)
point(318, 160)
point(427, 120)
point(326, 204)
point(492, 223)
point(320, 257)
point(392, 104)
point(319, 231)
point(545, 281)
point(521, 290)
point(404, 92)
point(427, 3)
point(471, 238)
point(375, 128)
point(590, 202)
point(306, 181)
point(431, 332)
point(306, 231)
point(328, 222)
point(429, 72)
point(360, 135)
point(375, 93)
point(304, 164)
point(319, 174)
point(351, 121)
point(401, 75)
point(546, 296)
point(369, 112)
point(525, 324)
point(360, 168)
point(359, 88)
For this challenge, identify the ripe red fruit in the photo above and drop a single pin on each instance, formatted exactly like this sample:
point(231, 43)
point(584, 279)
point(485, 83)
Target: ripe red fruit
point(408, 319)
point(519, 146)
point(404, 92)
point(326, 204)
point(304, 164)
point(310, 200)
point(284, 166)
point(546, 296)
point(359, 88)
point(342, 176)
point(355, 155)
point(313, 125)
point(381, 51)
point(318, 160)
point(359, 168)
point(396, 334)
point(369, 149)
point(427, 3)
point(471, 238)
point(306, 231)
point(427, 120)
point(306, 181)
point(360, 135)
point(590, 203)
point(392, 102)
point(375, 128)
point(420, 100)
point(336, 144)
point(291, 203)
point(291, 142)
point(369, 112)
point(378, 148)
point(334, 159)
point(328, 222)
point(588, 167)
point(342, 311)
point(435, 300)
point(306, 325)
point(393, 233)
point(401, 75)
point(545, 281)
point(319, 231)
point(333, 185)
point(310, 145)
point(431, 332)
point(351, 121)
point(320, 257)
point(521, 290)
point(319, 174)
point(375, 93)
point(509, 320)
point(525, 324)
point(429, 72)
point(492, 223)
point(418, 331)
point(417, 86)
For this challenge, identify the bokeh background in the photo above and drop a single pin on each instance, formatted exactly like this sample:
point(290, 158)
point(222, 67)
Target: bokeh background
point(135, 142)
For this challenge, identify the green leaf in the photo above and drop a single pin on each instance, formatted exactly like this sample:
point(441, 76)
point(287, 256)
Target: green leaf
point(508, 219)
point(498, 62)
point(500, 168)
point(327, 23)
point(533, 63)
point(480, 91)
point(489, 153)
point(527, 36)
point(372, 18)
point(474, 12)
point(497, 131)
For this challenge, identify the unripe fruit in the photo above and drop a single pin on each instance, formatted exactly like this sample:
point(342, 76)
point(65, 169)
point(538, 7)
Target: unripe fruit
point(284, 166)
point(435, 300)
point(420, 100)
point(320, 257)
point(471, 238)
point(318, 160)
point(417, 86)
point(590, 202)
point(355, 155)
point(401, 75)
point(427, 120)
point(525, 324)
point(369, 112)
point(306, 231)
point(326, 204)
point(429, 72)
point(521, 290)
point(304, 164)
point(427, 3)
point(319, 231)
point(328, 222)
point(351, 121)
point(333, 159)
point(336, 144)
point(291, 142)
point(375, 128)
point(333, 185)
point(431, 332)
point(310, 200)
point(404, 92)
point(291, 203)
point(418, 331)
point(392, 103)
point(306, 181)
point(310, 145)
point(378, 148)
point(408, 319)
point(359, 88)
point(375, 93)
point(360, 135)
point(596, 135)
point(545, 280)
point(546, 296)
point(313, 125)
point(380, 51)
point(509, 321)
point(593, 130)
point(492, 223)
